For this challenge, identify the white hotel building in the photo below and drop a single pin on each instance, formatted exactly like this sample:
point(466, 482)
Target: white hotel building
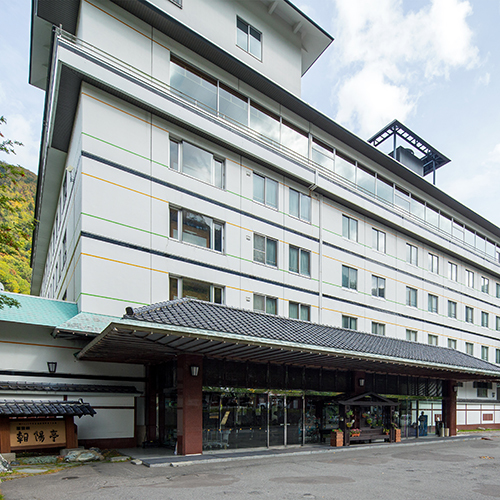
point(178, 160)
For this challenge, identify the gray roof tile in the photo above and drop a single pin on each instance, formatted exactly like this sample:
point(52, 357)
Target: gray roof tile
point(45, 408)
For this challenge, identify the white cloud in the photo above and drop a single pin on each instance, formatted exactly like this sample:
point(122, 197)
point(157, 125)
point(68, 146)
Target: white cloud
point(483, 80)
point(386, 56)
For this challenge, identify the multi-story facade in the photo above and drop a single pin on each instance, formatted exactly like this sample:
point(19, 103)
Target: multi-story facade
point(178, 160)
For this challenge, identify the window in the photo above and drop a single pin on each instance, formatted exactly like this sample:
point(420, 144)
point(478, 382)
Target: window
point(322, 154)
point(433, 263)
point(411, 297)
point(482, 392)
point(265, 304)
point(299, 311)
point(349, 278)
point(197, 163)
point(299, 261)
point(196, 229)
point(378, 287)
point(485, 319)
point(300, 205)
point(469, 314)
point(497, 356)
point(485, 285)
point(452, 344)
point(349, 323)
point(265, 250)
point(498, 290)
point(452, 271)
point(469, 278)
point(432, 339)
point(265, 190)
point(186, 287)
point(248, 38)
point(498, 323)
point(378, 328)
point(432, 303)
point(349, 228)
point(177, 2)
point(411, 335)
point(452, 309)
point(469, 348)
point(484, 353)
point(411, 254)
point(378, 240)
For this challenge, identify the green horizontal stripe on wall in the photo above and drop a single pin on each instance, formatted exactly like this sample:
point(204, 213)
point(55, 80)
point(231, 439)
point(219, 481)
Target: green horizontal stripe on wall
point(125, 225)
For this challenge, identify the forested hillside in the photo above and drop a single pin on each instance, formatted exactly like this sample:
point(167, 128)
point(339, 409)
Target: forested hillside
point(15, 271)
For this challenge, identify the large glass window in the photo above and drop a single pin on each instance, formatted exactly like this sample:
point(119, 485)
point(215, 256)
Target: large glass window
point(345, 167)
point(294, 138)
point(265, 190)
point(264, 122)
point(411, 335)
point(248, 38)
point(187, 287)
point(193, 85)
point(469, 348)
point(349, 278)
point(232, 105)
point(299, 311)
point(433, 263)
point(322, 154)
point(265, 304)
point(349, 228)
point(485, 285)
point(299, 261)
point(469, 278)
point(196, 229)
point(265, 250)
point(485, 319)
point(365, 180)
point(484, 353)
point(432, 339)
point(452, 271)
point(197, 163)
point(300, 205)
point(411, 297)
point(452, 344)
point(385, 190)
point(378, 286)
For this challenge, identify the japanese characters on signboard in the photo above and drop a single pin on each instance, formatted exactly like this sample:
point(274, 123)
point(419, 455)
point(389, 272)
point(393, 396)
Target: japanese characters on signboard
point(37, 433)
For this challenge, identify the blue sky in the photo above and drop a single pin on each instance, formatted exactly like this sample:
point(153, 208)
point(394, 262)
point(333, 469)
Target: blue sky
point(432, 64)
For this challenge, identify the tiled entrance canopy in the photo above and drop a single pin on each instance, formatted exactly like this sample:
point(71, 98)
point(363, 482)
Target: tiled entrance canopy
point(45, 408)
point(160, 331)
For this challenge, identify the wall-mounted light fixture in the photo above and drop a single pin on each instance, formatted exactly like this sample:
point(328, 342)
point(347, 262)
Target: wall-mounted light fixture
point(52, 366)
point(455, 388)
point(195, 370)
point(361, 382)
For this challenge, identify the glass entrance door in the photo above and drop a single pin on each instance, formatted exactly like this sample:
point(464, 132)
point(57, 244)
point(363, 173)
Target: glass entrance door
point(293, 420)
point(276, 420)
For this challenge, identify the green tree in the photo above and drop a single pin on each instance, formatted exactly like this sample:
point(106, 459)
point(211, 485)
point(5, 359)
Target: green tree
point(14, 231)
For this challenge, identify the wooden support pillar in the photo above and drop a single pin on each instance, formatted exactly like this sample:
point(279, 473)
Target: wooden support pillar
point(189, 405)
point(450, 406)
point(4, 435)
point(71, 436)
point(151, 389)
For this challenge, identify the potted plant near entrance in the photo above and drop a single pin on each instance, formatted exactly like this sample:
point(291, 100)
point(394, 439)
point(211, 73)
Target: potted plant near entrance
point(336, 438)
point(355, 432)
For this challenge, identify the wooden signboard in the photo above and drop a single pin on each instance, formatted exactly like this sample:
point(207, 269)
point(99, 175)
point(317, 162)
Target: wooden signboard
point(31, 434)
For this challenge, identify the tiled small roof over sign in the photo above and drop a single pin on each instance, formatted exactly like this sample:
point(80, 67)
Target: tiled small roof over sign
point(45, 408)
point(209, 318)
point(66, 388)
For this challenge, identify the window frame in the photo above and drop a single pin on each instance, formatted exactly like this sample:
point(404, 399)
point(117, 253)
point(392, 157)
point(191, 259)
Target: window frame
point(469, 278)
point(432, 339)
point(377, 290)
point(378, 328)
point(351, 320)
point(378, 237)
point(452, 271)
point(412, 254)
point(302, 198)
point(266, 240)
point(485, 319)
point(349, 277)
point(452, 344)
point(410, 292)
point(348, 225)
point(469, 348)
point(452, 309)
point(300, 308)
point(469, 314)
point(267, 180)
point(411, 335)
point(300, 252)
point(432, 303)
point(267, 300)
point(485, 353)
point(485, 284)
point(214, 223)
point(433, 261)
point(248, 34)
point(180, 288)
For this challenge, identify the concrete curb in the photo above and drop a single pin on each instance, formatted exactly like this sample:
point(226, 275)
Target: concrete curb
point(204, 459)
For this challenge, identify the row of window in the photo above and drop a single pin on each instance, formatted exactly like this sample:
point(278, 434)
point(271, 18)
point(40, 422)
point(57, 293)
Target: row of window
point(216, 97)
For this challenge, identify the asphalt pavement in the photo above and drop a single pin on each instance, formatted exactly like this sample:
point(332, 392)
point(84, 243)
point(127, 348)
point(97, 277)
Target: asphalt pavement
point(446, 469)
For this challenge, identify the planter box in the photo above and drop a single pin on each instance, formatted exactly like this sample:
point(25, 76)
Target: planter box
point(398, 435)
point(337, 439)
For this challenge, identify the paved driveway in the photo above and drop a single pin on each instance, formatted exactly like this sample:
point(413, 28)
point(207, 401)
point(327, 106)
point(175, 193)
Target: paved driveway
point(463, 469)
